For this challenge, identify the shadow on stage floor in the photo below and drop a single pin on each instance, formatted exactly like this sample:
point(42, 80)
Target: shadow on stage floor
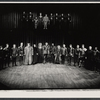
point(4, 87)
point(48, 76)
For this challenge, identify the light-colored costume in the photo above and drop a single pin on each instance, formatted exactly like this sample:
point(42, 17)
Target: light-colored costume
point(45, 21)
point(28, 54)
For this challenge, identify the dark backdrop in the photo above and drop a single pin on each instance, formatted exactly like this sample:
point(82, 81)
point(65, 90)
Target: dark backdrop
point(84, 26)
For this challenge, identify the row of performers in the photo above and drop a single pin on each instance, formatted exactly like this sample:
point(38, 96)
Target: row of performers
point(46, 53)
point(44, 21)
point(41, 21)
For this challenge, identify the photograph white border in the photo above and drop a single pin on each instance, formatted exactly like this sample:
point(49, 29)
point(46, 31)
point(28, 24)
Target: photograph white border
point(52, 93)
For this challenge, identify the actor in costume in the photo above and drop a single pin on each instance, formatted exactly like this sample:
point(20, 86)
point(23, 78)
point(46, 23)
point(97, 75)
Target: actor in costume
point(96, 59)
point(21, 53)
point(28, 54)
point(7, 54)
point(89, 58)
point(76, 55)
point(35, 56)
point(14, 55)
point(40, 53)
point(45, 21)
point(1, 57)
point(70, 54)
point(63, 53)
point(36, 22)
point(46, 51)
point(52, 52)
point(58, 55)
point(82, 55)
point(40, 21)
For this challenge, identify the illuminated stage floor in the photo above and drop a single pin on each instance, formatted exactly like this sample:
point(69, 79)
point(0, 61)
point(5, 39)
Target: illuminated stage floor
point(47, 76)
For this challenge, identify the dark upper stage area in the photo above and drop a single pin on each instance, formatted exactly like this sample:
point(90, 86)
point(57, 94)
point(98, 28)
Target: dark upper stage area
point(84, 16)
point(84, 26)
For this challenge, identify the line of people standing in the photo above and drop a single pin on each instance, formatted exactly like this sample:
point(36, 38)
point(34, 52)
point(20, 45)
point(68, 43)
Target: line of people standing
point(49, 53)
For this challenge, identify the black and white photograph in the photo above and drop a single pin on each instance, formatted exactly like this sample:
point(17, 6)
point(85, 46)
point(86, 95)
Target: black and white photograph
point(49, 46)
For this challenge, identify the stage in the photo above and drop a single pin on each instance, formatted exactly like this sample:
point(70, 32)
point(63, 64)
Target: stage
point(49, 76)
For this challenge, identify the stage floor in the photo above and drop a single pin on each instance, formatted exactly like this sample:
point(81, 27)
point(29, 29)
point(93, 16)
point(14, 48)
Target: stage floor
point(49, 76)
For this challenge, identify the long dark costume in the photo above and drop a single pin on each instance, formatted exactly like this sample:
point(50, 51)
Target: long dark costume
point(14, 56)
point(1, 58)
point(76, 56)
point(63, 54)
point(70, 55)
point(40, 22)
point(7, 53)
point(35, 55)
point(21, 54)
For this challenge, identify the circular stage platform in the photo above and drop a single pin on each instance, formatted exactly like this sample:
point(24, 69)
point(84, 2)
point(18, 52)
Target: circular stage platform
point(49, 76)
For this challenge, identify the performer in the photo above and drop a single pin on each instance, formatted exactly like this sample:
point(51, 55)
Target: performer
point(64, 53)
point(52, 52)
point(51, 20)
point(14, 55)
point(40, 21)
point(21, 53)
point(46, 51)
point(1, 57)
point(40, 53)
point(89, 57)
point(82, 55)
point(58, 55)
point(76, 55)
point(28, 54)
point(96, 59)
point(45, 21)
point(36, 22)
point(35, 56)
point(70, 53)
point(7, 54)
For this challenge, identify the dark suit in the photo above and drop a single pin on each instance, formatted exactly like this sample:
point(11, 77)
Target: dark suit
point(76, 56)
point(90, 58)
point(40, 55)
point(21, 54)
point(7, 53)
point(35, 56)
point(52, 53)
point(1, 58)
point(70, 55)
point(96, 60)
point(40, 22)
point(63, 54)
point(82, 60)
point(46, 51)
point(14, 56)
